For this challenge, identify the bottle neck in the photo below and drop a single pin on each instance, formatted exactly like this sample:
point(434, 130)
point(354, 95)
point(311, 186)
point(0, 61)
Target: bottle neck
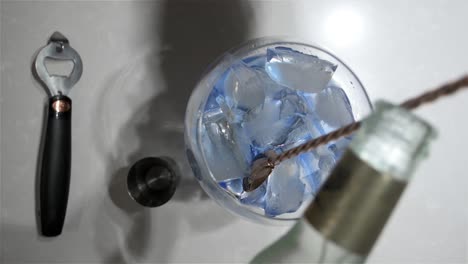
point(392, 140)
point(314, 248)
point(355, 202)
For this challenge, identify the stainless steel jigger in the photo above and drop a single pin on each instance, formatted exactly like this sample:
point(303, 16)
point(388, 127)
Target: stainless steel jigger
point(56, 160)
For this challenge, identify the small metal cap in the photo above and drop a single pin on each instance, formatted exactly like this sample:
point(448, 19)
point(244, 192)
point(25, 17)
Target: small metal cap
point(152, 182)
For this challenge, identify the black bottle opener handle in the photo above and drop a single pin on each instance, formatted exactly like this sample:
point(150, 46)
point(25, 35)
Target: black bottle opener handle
point(56, 163)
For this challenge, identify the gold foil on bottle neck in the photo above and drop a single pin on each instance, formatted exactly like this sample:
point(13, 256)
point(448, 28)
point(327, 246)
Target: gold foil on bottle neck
point(354, 203)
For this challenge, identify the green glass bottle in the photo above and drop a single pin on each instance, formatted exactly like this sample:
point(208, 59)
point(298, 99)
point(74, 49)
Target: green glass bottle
point(349, 212)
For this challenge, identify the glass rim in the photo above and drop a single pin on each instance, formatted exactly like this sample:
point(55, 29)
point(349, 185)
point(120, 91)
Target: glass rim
point(237, 51)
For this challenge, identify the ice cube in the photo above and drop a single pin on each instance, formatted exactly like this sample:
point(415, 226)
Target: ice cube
point(213, 115)
point(285, 191)
point(243, 143)
point(304, 131)
point(263, 125)
point(227, 150)
point(233, 186)
point(312, 181)
point(211, 102)
point(339, 146)
point(232, 114)
point(292, 105)
point(298, 136)
point(268, 137)
point(270, 125)
point(255, 61)
point(308, 163)
point(326, 164)
point(308, 166)
point(309, 100)
point(297, 70)
point(272, 88)
point(244, 88)
point(333, 107)
point(256, 197)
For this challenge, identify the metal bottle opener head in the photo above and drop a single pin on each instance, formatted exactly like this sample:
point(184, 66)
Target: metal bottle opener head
point(58, 48)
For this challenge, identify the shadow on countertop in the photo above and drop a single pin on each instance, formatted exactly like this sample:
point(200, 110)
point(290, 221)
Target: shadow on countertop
point(191, 35)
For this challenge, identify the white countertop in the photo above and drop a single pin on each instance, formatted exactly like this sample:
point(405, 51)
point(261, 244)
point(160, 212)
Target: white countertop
point(141, 60)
